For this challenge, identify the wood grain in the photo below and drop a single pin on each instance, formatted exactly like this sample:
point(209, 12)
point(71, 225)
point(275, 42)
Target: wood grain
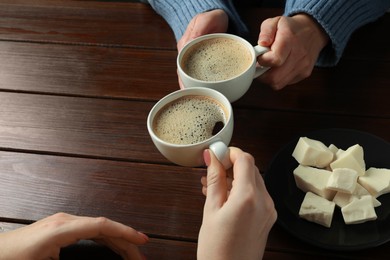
point(115, 24)
point(162, 200)
point(116, 129)
point(77, 80)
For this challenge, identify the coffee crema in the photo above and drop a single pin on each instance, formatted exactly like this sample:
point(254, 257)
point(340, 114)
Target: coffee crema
point(189, 120)
point(216, 59)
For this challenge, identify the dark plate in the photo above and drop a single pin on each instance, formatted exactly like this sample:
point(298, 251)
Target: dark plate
point(288, 198)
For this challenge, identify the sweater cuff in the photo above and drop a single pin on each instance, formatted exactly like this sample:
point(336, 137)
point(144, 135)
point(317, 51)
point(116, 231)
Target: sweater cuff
point(178, 13)
point(339, 19)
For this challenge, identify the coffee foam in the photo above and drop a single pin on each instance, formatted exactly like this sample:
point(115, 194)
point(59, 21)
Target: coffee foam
point(188, 120)
point(216, 59)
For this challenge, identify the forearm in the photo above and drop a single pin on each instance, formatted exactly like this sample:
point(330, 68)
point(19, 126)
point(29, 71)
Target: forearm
point(339, 19)
point(179, 13)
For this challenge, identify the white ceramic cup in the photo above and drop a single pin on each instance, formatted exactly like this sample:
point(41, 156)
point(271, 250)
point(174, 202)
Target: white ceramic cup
point(235, 87)
point(192, 154)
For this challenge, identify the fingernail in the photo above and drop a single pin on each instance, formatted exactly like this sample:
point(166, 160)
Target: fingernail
point(264, 41)
point(206, 157)
point(144, 236)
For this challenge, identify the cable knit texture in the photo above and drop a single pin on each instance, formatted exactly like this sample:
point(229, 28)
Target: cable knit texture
point(179, 13)
point(339, 19)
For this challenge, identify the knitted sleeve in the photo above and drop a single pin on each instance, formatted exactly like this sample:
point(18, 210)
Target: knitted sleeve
point(178, 13)
point(339, 19)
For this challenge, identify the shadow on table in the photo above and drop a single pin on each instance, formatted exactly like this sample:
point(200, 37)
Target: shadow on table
point(86, 249)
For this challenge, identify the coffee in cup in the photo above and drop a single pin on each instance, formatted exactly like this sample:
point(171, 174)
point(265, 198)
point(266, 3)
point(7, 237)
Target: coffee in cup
point(186, 122)
point(220, 61)
point(216, 59)
point(189, 120)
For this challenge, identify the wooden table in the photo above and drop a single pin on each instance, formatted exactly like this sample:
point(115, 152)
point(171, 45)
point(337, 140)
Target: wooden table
point(77, 80)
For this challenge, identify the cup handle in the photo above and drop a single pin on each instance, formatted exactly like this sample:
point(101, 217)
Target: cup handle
point(260, 50)
point(222, 153)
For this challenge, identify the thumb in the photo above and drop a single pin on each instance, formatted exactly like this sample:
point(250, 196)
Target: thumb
point(216, 181)
point(268, 30)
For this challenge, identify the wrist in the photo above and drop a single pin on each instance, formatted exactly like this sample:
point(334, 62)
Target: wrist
point(319, 36)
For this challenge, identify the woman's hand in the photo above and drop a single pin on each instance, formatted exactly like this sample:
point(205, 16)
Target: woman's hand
point(44, 238)
point(237, 215)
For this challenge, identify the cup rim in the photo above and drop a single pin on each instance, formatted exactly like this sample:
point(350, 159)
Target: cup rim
point(209, 36)
point(178, 94)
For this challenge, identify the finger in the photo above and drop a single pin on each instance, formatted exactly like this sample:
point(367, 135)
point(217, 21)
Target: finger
point(117, 230)
point(194, 29)
point(293, 71)
point(268, 30)
point(277, 56)
point(89, 228)
point(216, 181)
point(229, 179)
point(229, 182)
point(184, 39)
point(181, 43)
point(280, 48)
point(278, 77)
point(187, 35)
point(214, 21)
point(203, 180)
point(244, 169)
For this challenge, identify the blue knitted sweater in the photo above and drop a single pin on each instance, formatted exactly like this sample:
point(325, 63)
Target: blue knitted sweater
point(339, 18)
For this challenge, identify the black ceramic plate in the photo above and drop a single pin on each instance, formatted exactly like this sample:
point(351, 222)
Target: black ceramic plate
point(288, 198)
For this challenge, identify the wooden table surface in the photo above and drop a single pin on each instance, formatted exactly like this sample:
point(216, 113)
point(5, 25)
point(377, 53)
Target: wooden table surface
point(77, 80)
